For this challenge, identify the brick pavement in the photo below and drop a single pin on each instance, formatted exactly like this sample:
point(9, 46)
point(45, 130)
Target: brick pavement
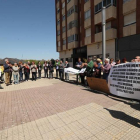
point(55, 110)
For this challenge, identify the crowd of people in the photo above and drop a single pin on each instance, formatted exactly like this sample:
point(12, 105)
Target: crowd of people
point(98, 69)
point(22, 71)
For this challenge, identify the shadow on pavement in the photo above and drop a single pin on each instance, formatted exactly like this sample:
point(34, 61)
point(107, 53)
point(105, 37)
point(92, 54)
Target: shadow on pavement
point(125, 117)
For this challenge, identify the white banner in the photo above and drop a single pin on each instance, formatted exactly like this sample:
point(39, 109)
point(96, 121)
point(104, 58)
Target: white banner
point(74, 71)
point(124, 80)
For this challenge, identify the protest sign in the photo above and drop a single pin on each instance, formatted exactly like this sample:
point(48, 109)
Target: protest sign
point(124, 80)
point(74, 71)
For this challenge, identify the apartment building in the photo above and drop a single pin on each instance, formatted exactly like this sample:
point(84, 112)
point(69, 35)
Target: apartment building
point(79, 29)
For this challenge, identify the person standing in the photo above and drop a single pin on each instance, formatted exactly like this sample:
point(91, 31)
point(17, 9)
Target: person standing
point(29, 65)
point(21, 72)
point(112, 63)
point(39, 67)
point(61, 70)
point(15, 69)
point(45, 66)
point(2, 73)
point(50, 70)
point(106, 69)
point(26, 72)
point(78, 66)
point(7, 72)
point(67, 74)
point(57, 68)
point(118, 61)
point(11, 70)
point(33, 70)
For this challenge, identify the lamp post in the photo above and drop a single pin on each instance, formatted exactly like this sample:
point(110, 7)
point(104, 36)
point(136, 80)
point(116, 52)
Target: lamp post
point(104, 33)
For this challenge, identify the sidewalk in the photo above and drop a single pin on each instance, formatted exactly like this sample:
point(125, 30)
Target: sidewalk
point(56, 110)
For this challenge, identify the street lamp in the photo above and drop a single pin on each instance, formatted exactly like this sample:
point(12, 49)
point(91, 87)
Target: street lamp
point(104, 33)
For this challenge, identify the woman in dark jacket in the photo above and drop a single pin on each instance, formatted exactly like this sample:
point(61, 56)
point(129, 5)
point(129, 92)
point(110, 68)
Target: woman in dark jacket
point(20, 71)
point(50, 67)
point(26, 72)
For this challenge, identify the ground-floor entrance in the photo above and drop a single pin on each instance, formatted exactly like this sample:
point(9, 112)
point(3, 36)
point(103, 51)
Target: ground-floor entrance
point(129, 47)
point(79, 53)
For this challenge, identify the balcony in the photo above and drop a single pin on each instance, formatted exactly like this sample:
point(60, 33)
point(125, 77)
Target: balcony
point(58, 38)
point(129, 30)
point(73, 45)
point(64, 47)
point(64, 35)
point(72, 17)
point(59, 48)
point(72, 31)
point(87, 23)
point(71, 3)
point(57, 5)
point(97, 1)
point(111, 13)
point(129, 6)
point(88, 40)
point(110, 34)
point(58, 16)
point(63, 11)
point(87, 5)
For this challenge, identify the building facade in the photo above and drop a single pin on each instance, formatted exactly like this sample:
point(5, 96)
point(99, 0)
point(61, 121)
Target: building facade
point(79, 29)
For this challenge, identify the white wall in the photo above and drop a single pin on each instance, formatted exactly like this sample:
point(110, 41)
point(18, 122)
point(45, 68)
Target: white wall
point(66, 54)
point(95, 49)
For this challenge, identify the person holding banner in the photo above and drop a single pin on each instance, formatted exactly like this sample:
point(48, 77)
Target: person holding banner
point(66, 74)
point(78, 66)
point(118, 61)
point(97, 71)
point(112, 63)
point(61, 70)
point(106, 69)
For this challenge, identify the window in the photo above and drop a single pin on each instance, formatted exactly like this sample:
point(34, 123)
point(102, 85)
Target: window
point(88, 32)
point(58, 22)
point(73, 38)
point(86, 1)
point(58, 32)
point(63, 18)
point(63, 4)
point(58, 11)
point(68, 1)
point(72, 10)
point(87, 14)
point(72, 24)
point(64, 29)
point(58, 43)
point(64, 41)
point(105, 3)
point(108, 25)
point(130, 19)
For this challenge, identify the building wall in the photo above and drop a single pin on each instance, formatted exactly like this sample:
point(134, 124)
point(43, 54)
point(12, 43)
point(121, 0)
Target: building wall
point(115, 14)
point(66, 54)
point(96, 48)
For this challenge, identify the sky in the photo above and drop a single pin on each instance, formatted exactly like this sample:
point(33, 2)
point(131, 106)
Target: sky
point(27, 29)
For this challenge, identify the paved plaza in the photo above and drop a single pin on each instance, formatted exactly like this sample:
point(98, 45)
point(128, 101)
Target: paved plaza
point(55, 110)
